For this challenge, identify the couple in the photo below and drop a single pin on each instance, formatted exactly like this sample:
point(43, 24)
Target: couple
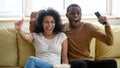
point(64, 44)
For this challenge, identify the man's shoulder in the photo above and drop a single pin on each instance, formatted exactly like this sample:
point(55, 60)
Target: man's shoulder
point(87, 23)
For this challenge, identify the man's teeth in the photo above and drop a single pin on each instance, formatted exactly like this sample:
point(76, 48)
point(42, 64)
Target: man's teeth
point(75, 18)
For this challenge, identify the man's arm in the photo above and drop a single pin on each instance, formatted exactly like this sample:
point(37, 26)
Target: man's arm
point(108, 31)
point(33, 18)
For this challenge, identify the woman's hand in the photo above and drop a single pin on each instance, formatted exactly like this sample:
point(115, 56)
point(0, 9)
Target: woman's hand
point(28, 37)
point(18, 24)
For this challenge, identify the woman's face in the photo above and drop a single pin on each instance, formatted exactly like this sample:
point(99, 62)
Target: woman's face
point(48, 24)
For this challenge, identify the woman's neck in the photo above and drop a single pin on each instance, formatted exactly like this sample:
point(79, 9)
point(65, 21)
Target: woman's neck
point(49, 36)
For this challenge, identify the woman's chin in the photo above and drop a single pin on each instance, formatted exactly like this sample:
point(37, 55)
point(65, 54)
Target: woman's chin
point(49, 32)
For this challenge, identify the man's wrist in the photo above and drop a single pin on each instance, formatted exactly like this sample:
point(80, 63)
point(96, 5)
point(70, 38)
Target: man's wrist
point(107, 24)
point(32, 21)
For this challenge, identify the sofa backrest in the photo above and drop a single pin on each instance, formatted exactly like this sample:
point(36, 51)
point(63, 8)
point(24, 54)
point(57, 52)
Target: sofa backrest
point(14, 51)
point(25, 50)
point(8, 47)
point(103, 51)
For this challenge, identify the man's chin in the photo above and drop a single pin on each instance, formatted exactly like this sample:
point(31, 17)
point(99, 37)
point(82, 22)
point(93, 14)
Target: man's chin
point(75, 24)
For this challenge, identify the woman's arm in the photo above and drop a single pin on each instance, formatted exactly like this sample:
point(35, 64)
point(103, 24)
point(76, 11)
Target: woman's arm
point(64, 52)
point(27, 37)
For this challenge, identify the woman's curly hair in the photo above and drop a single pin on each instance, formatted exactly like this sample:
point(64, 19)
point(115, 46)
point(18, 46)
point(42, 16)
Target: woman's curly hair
point(48, 12)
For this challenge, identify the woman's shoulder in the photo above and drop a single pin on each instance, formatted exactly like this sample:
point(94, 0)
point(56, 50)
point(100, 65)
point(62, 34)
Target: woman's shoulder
point(61, 34)
point(37, 34)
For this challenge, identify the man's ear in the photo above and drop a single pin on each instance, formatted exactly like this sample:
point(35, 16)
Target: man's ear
point(66, 15)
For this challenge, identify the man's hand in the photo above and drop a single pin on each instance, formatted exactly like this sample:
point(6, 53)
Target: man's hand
point(33, 16)
point(103, 20)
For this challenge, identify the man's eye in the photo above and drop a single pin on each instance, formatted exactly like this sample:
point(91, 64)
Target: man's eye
point(78, 13)
point(72, 13)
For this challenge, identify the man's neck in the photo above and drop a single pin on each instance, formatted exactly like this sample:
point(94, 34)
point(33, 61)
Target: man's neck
point(74, 27)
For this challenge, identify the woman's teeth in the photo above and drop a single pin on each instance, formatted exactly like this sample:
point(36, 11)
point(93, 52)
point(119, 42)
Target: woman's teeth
point(49, 29)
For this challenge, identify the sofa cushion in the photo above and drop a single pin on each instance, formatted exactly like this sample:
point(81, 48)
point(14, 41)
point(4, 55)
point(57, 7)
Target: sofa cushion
point(118, 62)
point(25, 50)
point(11, 67)
point(8, 47)
point(104, 51)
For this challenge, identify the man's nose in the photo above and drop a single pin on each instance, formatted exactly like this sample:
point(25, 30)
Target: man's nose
point(75, 15)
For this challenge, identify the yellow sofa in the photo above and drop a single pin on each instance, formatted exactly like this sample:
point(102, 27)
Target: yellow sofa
point(14, 51)
point(102, 51)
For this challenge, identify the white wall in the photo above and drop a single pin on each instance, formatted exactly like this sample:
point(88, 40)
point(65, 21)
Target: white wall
point(112, 21)
point(116, 7)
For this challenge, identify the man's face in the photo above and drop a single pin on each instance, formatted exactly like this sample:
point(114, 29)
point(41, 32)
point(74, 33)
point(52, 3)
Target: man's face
point(74, 16)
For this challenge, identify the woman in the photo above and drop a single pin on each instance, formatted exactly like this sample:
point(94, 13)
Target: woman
point(48, 39)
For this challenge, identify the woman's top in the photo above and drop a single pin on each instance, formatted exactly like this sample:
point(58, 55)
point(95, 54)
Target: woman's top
point(49, 49)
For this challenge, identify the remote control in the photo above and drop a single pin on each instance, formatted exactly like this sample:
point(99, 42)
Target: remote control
point(98, 15)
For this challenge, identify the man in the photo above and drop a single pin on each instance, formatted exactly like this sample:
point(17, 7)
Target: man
point(80, 35)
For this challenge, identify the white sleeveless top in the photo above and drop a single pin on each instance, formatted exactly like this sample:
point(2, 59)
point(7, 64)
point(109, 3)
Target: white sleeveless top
point(49, 49)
